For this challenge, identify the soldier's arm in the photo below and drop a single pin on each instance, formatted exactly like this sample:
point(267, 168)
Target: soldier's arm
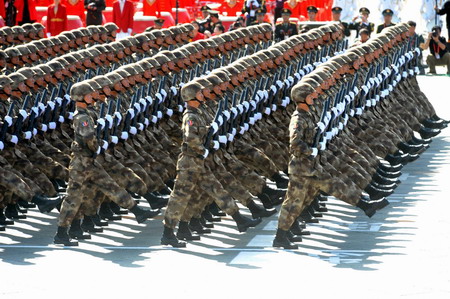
point(298, 147)
point(85, 130)
point(193, 136)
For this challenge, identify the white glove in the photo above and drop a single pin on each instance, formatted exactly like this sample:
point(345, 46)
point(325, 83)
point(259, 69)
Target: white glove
point(205, 155)
point(52, 125)
point(223, 139)
point(114, 139)
point(124, 135)
point(169, 112)
point(215, 127)
point(133, 130)
point(23, 113)
point(216, 145)
point(315, 151)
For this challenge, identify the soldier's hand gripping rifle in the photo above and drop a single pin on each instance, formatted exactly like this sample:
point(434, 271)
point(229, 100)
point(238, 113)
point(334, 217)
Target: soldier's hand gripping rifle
point(157, 101)
point(320, 129)
point(19, 120)
point(221, 135)
point(116, 122)
point(108, 127)
point(212, 131)
point(231, 130)
point(7, 123)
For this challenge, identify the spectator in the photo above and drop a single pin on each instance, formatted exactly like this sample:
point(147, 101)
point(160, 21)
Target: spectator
point(56, 18)
point(387, 17)
point(438, 53)
point(416, 40)
point(74, 7)
point(231, 7)
point(205, 11)
point(26, 11)
point(94, 9)
point(123, 12)
point(445, 10)
point(240, 22)
point(363, 22)
point(250, 7)
point(197, 34)
point(218, 29)
point(312, 13)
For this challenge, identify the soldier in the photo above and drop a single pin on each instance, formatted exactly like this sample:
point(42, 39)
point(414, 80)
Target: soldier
point(363, 23)
point(387, 16)
point(85, 172)
point(336, 15)
point(192, 172)
point(285, 29)
point(312, 13)
point(210, 22)
point(260, 16)
point(159, 23)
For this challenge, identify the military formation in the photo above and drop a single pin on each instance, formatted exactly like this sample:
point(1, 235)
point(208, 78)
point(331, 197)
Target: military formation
point(92, 126)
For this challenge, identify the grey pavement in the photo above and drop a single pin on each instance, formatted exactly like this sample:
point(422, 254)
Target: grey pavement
point(401, 252)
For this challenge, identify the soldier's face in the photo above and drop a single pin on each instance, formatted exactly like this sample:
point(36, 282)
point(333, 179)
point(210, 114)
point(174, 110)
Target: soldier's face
point(336, 16)
point(107, 90)
point(40, 81)
point(199, 96)
point(285, 17)
point(23, 87)
point(65, 47)
point(387, 19)
point(180, 63)
point(312, 15)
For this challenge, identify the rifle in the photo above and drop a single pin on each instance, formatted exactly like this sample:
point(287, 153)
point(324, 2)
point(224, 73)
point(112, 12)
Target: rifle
point(34, 112)
point(20, 118)
point(100, 116)
point(107, 126)
point(7, 122)
point(117, 118)
point(210, 135)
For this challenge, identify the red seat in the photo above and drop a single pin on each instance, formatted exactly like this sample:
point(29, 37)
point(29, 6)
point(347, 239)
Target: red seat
point(183, 15)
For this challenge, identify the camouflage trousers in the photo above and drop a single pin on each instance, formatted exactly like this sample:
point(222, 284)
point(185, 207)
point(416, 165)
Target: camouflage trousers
point(191, 174)
point(13, 183)
point(303, 189)
point(85, 177)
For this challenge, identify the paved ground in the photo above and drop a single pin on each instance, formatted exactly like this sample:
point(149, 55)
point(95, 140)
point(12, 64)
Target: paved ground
point(402, 252)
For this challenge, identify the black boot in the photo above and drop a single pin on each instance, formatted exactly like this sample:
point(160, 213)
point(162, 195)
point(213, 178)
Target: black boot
point(258, 212)
point(105, 212)
point(265, 200)
point(98, 220)
point(12, 212)
point(389, 174)
point(156, 202)
point(281, 182)
point(169, 238)
point(143, 214)
point(371, 207)
point(2, 228)
point(321, 208)
point(89, 226)
point(376, 193)
point(62, 237)
point(435, 124)
point(243, 223)
point(117, 209)
point(170, 184)
point(383, 180)
point(76, 232)
point(282, 240)
point(165, 191)
point(428, 133)
point(25, 204)
point(205, 223)
point(4, 220)
point(209, 217)
point(216, 211)
point(307, 217)
point(276, 196)
point(294, 238)
point(184, 233)
point(44, 204)
point(297, 229)
point(196, 226)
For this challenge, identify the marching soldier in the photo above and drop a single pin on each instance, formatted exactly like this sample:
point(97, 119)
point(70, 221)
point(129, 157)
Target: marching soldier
point(85, 172)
